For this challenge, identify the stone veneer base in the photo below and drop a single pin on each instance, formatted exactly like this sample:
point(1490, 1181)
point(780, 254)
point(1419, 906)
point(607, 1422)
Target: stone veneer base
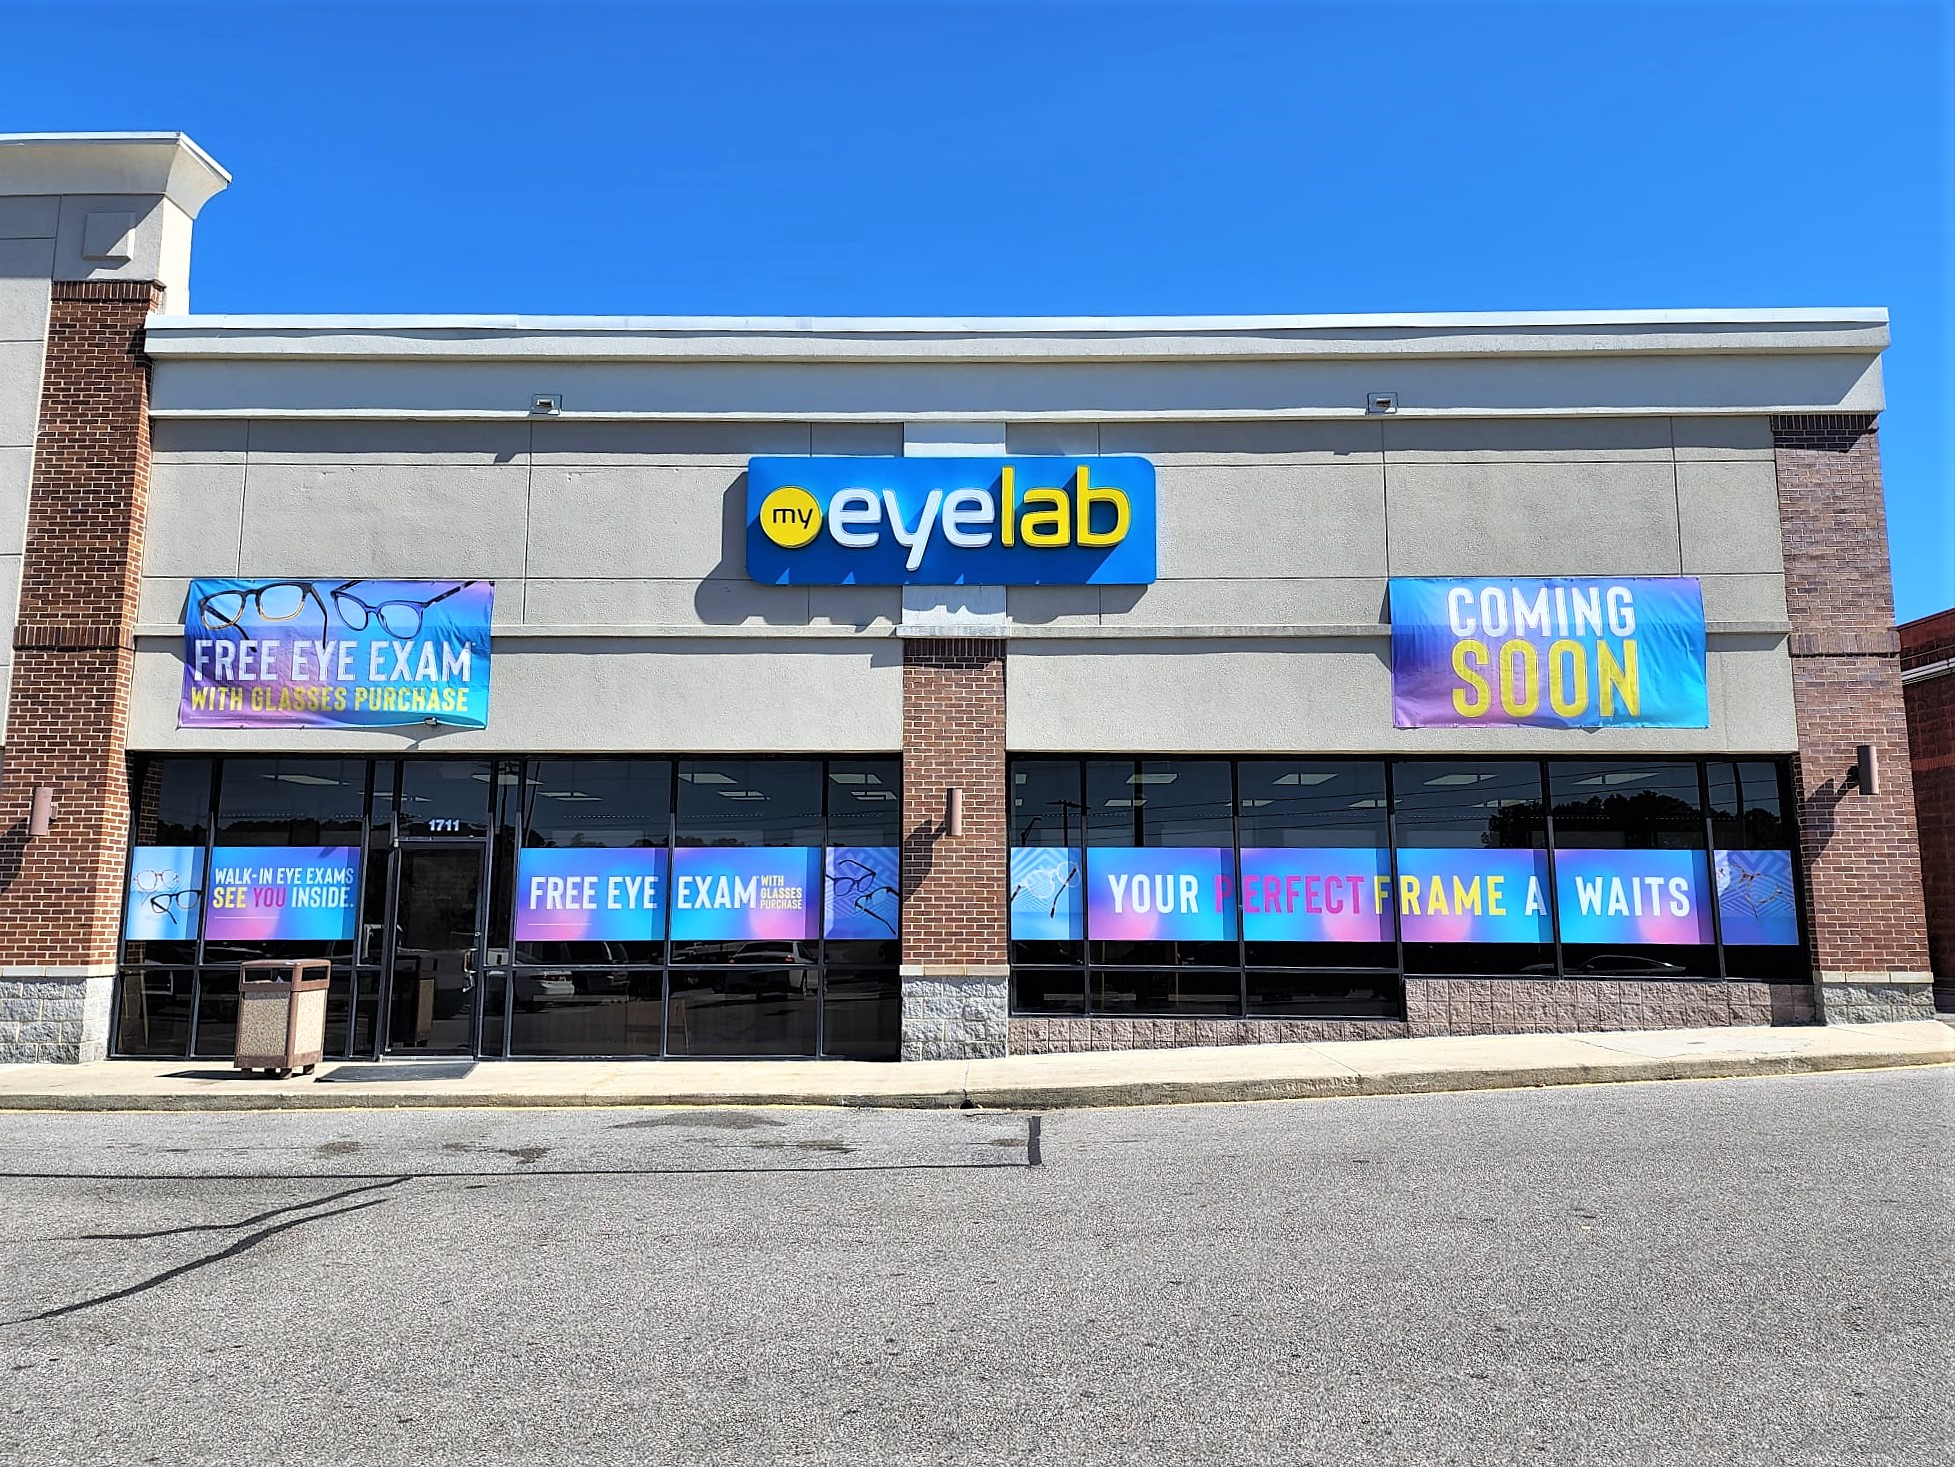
point(1438, 1006)
point(953, 1013)
point(54, 1015)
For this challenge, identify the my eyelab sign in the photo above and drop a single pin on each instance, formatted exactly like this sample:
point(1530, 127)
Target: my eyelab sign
point(1561, 652)
point(950, 521)
point(335, 653)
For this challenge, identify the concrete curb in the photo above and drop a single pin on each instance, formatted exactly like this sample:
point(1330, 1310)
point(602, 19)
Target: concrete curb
point(1375, 1068)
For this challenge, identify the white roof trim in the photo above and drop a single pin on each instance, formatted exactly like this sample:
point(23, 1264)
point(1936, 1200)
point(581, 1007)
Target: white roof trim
point(1037, 325)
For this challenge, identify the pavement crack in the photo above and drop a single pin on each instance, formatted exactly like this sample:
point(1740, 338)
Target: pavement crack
point(241, 1246)
point(230, 1227)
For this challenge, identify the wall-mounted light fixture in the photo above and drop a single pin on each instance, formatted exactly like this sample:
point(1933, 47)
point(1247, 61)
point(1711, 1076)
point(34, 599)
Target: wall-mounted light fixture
point(954, 812)
point(1866, 768)
point(40, 812)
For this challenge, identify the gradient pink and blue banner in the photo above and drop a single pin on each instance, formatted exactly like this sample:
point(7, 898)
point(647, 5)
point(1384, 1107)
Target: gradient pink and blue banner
point(1316, 894)
point(1044, 901)
point(335, 653)
point(282, 894)
point(1628, 897)
point(1474, 895)
point(1549, 652)
point(1757, 903)
point(745, 893)
point(1160, 894)
point(864, 888)
point(591, 895)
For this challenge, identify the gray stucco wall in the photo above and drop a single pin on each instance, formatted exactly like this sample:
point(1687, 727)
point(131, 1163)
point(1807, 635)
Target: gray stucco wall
point(625, 622)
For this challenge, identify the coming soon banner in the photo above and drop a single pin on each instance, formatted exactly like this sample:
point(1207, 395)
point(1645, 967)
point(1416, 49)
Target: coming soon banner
point(336, 654)
point(1559, 652)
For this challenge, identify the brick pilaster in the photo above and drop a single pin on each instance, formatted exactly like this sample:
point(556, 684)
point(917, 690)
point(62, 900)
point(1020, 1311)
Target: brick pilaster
point(954, 930)
point(1862, 855)
point(73, 657)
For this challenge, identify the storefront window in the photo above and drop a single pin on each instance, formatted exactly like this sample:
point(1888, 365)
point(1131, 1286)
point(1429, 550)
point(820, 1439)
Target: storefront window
point(1754, 873)
point(1473, 882)
point(1045, 896)
point(1632, 882)
point(1174, 913)
point(1316, 875)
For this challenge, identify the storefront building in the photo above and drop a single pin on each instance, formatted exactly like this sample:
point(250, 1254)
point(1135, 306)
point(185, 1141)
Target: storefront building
point(927, 688)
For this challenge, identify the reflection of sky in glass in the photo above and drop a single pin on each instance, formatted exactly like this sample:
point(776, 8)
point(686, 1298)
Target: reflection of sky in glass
point(1755, 898)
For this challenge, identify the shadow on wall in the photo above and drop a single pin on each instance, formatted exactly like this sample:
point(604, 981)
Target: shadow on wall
point(725, 597)
point(13, 850)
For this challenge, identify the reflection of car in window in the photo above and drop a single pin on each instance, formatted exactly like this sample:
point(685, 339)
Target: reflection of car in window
point(1621, 965)
point(1629, 963)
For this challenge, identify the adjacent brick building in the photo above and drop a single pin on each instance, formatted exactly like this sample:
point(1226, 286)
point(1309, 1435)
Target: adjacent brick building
point(1053, 783)
point(1928, 680)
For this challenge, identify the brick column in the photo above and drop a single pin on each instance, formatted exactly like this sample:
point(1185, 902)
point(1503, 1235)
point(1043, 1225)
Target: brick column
point(1862, 856)
point(60, 894)
point(1928, 664)
point(955, 989)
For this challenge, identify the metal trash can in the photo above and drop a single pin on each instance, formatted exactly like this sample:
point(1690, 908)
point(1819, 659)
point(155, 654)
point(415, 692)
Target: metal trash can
point(282, 1014)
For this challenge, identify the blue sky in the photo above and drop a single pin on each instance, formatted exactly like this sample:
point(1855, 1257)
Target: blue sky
point(933, 157)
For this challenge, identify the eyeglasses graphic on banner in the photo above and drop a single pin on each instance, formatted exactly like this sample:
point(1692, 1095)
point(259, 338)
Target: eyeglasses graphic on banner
point(336, 653)
point(166, 896)
point(1044, 902)
point(864, 892)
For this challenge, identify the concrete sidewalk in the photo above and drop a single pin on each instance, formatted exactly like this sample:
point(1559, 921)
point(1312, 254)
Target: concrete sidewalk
point(1053, 1081)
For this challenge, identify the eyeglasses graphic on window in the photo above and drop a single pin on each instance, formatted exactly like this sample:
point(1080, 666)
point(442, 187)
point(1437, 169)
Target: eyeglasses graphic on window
point(859, 884)
point(166, 894)
point(1044, 882)
point(273, 601)
point(397, 616)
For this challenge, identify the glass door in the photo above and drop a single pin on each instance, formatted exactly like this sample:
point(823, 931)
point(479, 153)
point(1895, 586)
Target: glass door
point(434, 952)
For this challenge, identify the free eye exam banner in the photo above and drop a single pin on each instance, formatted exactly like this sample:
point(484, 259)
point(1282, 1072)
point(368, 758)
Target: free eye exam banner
point(608, 895)
point(282, 893)
point(1559, 652)
point(742, 893)
point(335, 653)
point(1656, 897)
point(863, 885)
point(1183, 894)
point(1316, 894)
point(1474, 896)
point(166, 894)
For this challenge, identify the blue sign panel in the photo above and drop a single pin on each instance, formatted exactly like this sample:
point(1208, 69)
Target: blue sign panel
point(950, 521)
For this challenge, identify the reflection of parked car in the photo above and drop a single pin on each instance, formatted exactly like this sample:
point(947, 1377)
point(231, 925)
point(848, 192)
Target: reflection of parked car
point(1618, 965)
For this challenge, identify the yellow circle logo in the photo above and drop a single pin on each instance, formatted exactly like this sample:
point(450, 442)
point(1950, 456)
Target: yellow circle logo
point(790, 517)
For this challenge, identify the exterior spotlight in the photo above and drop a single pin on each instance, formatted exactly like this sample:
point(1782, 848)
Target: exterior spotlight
point(40, 812)
point(1866, 768)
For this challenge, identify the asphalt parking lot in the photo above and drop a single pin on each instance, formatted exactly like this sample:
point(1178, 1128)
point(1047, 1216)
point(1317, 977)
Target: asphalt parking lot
point(1692, 1272)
